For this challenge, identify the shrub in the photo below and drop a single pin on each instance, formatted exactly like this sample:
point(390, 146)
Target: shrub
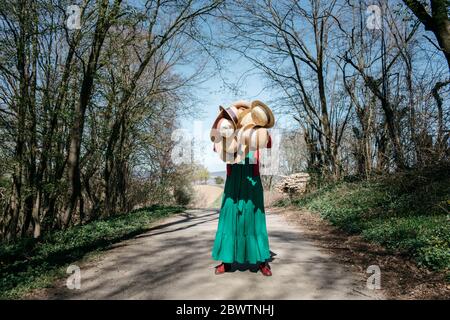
point(219, 180)
point(183, 195)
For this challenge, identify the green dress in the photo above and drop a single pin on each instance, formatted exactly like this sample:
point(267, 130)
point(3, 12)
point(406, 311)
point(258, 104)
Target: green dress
point(242, 233)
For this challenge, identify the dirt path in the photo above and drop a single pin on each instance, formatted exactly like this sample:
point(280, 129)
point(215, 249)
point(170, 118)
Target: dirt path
point(172, 261)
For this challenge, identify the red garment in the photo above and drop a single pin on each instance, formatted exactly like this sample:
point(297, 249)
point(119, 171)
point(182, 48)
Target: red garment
point(256, 168)
point(228, 169)
point(269, 143)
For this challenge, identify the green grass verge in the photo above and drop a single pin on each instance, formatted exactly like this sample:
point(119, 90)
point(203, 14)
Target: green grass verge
point(29, 264)
point(407, 213)
point(218, 201)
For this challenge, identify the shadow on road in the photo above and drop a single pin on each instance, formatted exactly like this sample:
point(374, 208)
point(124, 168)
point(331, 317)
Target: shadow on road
point(187, 218)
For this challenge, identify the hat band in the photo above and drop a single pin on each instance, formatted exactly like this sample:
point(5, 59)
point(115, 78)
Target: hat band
point(233, 115)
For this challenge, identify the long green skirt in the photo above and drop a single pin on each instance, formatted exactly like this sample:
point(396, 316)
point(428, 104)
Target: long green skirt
point(242, 233)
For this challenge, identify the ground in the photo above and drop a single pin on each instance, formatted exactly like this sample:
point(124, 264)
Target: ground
point(173, 261)
point(311, 260)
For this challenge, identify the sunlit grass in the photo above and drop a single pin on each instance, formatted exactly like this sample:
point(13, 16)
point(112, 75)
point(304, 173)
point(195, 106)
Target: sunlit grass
point(218, 201)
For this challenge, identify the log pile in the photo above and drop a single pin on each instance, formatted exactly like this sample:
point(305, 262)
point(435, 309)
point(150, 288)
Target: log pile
point(293, 184)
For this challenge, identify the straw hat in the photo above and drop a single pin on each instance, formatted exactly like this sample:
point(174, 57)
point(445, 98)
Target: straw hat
point(242, 104)
point(262, 115)
point(228, 145)
point(240, 128)
point(245, 117)
point(230, 151)
point(254, 137)
point(231, 114)
point(225, 127)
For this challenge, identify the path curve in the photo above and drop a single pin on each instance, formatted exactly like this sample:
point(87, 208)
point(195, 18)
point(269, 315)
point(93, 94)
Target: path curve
point(205, 195)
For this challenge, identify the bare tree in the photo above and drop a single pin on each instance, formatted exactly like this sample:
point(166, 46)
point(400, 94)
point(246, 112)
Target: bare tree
point(436, 22)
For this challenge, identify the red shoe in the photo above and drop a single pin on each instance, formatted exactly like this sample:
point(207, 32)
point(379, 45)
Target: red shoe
point(221, 268)
point(265, 270)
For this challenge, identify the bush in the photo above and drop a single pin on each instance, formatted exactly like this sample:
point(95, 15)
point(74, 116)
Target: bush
point(219, 180)
point(183, 195)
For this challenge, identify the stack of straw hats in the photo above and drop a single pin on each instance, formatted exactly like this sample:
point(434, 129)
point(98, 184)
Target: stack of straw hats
point(241, 128)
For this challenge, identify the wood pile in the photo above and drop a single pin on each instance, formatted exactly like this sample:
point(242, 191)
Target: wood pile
point(293, 184)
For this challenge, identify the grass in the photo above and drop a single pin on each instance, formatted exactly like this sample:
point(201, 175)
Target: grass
point(31, 264)
point(407, 213)
point(218, 201)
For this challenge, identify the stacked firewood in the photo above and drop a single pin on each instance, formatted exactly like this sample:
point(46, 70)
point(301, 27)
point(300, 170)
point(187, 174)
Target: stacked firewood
point(293, 184)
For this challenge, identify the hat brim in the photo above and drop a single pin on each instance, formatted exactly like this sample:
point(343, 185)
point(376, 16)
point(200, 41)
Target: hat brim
point(214, 132)
point(228, 156)
point(271, 117)
point(223, 113)
point(230, 114)
point(229, 145)
point(240, 135)
point(242, 116)
point(246, 139)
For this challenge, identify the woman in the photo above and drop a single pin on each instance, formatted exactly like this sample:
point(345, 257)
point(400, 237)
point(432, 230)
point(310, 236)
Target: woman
point(242, 234)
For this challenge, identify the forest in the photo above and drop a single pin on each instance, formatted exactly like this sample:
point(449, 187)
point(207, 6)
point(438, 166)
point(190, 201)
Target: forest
point(90, 93)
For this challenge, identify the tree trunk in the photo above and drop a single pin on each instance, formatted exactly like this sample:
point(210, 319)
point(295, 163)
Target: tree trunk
point(73, 161)
point(438, 22)
point(36, 216)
